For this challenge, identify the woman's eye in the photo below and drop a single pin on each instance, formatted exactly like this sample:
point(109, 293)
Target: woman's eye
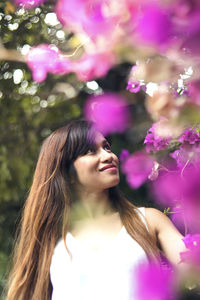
point(107, 147)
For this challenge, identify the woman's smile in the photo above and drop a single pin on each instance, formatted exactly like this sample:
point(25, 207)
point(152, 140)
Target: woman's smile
point(109, 167)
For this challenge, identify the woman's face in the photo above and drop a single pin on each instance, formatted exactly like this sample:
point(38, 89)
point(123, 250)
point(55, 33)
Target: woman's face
point(97, 170)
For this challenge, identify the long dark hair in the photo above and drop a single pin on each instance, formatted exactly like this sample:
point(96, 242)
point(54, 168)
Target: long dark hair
point(47, 212)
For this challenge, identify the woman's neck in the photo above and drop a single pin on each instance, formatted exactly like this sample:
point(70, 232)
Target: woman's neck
point(91, 206)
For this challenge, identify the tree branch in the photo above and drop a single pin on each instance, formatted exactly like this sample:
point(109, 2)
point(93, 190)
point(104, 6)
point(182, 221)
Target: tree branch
point(10, 54)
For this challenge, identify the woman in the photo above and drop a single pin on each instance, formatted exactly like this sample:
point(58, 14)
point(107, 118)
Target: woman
point(74, 195)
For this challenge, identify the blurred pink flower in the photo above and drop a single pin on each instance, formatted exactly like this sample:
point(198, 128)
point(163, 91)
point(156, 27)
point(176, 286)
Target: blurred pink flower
point(137, 168)
point(89, 16)
point(177, 217)
point(181, 187)
point(167, 189)
point(109, 112)
point(186, 19)
point(124, 155)
point(133, 86)
point(186, 155)
point(192, 243)
point(194, 91)
point(91, 66)
point(28, 4)
point(46, 58)
point(154, 142)
point(155, 282)
point(189, 151)
point(154, 26)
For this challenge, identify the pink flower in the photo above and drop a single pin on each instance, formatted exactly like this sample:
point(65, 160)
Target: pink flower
point(167, 189)
point(181, 187)
point(190, 136)
point(89, 16)
point(154, 26)
point(154, 142)
point(137, 168)
point(92, 66)
point(194, 92)
point(46, 58)
point(177, 217)
point(155, 282)
point(109, 112)
point(124, 155)
point(192, 243)
point(28, 4)
point(133, 86)
point(186, 19)
point(186, 155)
point(189, 151)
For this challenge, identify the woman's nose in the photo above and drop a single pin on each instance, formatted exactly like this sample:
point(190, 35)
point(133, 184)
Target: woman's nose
point(106, 156)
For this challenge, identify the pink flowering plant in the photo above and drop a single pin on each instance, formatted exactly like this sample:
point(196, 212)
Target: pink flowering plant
point(29, 4)
point(192, 255)
point(155, 282)
point(137, 168)
point(109, 112)
point(46, 59)
point(154, 142)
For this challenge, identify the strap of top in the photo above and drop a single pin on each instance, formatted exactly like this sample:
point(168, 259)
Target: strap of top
point(141, 211)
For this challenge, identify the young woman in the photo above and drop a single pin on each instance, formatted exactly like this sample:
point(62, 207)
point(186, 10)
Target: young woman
point(80, 239)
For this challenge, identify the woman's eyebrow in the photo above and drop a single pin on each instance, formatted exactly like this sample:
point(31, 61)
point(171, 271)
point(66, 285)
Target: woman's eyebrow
point(104, 142)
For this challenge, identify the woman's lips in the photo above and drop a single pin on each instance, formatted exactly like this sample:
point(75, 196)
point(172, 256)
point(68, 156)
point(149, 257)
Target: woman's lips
point(108, 168)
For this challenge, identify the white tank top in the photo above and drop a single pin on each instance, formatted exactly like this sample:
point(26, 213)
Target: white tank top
point(106, 275)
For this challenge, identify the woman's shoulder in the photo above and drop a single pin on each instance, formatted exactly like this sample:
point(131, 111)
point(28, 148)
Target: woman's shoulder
point(155, 217)
point(60, 253)
point(169, 238)
point(60, 259)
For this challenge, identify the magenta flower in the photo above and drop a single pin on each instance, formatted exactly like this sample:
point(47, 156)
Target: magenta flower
point(154, 142)
point(124, 155)
point(190, 44)
point(155, 282)
point(190, 136)
point(177, 217)
point(133, 86)
point(28, 4)
point(45, 59)
point(167, 189)
point(186, 155)
point(189, 151)
point(192, 243)
point(186, 19)
point(154, 25)
point(137, 168)
point(194, 92)
point(92, 66)
point(109, 112)
point(181, 187)
point(87, 16)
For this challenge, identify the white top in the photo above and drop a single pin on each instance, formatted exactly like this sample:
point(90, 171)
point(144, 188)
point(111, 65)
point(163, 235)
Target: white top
point(106, 275)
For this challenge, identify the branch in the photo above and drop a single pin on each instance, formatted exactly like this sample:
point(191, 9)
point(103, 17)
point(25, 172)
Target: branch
point(10, 54)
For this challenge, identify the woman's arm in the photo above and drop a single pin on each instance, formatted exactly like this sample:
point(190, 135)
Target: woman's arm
point(168, 237)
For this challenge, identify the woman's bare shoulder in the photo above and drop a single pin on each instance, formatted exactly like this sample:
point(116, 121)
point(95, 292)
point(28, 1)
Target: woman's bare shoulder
point(169, 238)
point(154, 217)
